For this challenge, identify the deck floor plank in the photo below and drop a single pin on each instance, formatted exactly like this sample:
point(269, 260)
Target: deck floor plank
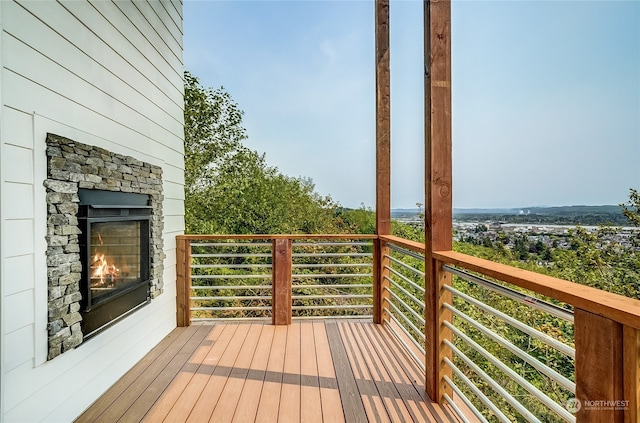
point(392, 398)
point(252, 389)
point(167, 347)
point(403, 382)
point(290, 394)
point(171, 395)
point(373, 404)
point(226, 407)
point(325, 370)
point(351, 402)
point(146, 381)
point(208, 399)
point(270, 397)
point(311, 406)
point(332, 408)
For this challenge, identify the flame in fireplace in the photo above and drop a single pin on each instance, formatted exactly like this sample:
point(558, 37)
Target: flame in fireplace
point(103, 270)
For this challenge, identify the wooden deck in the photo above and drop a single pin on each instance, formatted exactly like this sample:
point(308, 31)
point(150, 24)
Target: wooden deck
point(321, 371)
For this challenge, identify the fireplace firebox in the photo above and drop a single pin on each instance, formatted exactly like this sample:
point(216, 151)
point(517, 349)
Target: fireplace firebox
point(114, 250)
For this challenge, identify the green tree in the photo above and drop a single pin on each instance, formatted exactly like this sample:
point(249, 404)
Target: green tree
point(230, 188)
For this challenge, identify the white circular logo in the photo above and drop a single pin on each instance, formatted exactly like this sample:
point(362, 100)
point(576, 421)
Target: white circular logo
point(573, 405)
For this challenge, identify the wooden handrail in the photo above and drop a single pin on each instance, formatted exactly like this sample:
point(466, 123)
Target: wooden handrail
point(193, 237)
point(418, 247)
point(612, 306)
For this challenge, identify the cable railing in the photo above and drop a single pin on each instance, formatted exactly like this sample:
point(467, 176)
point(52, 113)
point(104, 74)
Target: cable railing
point(332, 278)
point(517, 345)
point(277, 277)
point(403, 297)
point(231, 279)
point(496, 343)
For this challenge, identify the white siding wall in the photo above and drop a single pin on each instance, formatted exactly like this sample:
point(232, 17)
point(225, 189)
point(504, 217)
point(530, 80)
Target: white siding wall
point(102, 73)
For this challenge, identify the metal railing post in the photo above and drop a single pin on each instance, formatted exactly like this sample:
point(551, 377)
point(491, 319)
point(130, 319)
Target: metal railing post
point(281, 265)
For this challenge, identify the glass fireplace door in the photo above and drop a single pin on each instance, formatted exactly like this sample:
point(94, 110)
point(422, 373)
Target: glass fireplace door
point(115, 258)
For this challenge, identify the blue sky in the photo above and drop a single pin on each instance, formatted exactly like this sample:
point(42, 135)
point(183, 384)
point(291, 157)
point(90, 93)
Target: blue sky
point(546, 95)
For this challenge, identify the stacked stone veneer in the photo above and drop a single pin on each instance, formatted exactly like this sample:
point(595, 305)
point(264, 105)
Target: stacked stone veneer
point(70, 166)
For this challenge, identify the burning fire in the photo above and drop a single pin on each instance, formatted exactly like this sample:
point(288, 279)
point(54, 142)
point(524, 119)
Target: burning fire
point(103, 270)
point(106, 272)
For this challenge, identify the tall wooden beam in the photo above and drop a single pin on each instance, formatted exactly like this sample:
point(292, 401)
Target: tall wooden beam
point(438, 180)
point(383, 158)
point(383, 120)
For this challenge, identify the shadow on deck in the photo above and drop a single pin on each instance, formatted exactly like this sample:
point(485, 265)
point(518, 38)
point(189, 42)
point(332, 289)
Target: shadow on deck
point(310, 371)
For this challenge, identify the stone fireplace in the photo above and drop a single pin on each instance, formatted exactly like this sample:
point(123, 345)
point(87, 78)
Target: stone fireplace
point(104, 237)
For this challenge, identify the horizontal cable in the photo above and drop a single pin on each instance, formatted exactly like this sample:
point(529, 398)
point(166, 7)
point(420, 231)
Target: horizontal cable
point(493, 384)
point(230, 308)
point(331, 244)
point(405, 265)
point(513, 294)
point(330, 275)
point(319, 297)
point(464, 399)
point(305, 265)
point(418, 332)
point(354, 316)
point(328, 307)
point(406, 332)
point(250, 276)
point(406, 279)
point(229, 266)
point(228, 255)
point(554, 343)
point(403, 343)
point(405, 251)
point(541, 396)
point(455, 407)
point(233, 297)
point(332, 286)
point(331, 255)
point(235, 319)
point(543, 368)
point(416, 301)
point(477, 392)
point(216, 287)
point(405, 305)
point(231, 244)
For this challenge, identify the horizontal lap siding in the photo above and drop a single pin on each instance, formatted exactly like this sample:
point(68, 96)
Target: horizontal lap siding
point(102, 73)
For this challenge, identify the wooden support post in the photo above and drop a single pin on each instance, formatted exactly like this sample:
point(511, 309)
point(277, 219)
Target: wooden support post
point(599, 368)
point(631, 357)
point(443, 278)
point(183, 282)
point(281, 264)
point(383, 120)
point(381, 283)
point(438, 179)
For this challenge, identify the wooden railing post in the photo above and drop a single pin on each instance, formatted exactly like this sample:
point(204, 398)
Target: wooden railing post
point(380, 281)
point(281, 264)
point(442, 279)
point(438, 181)
point(183, 282)
point(631, 358)
point(600, 374)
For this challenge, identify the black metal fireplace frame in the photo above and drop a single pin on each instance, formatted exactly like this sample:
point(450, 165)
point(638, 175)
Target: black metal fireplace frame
point(105, 206)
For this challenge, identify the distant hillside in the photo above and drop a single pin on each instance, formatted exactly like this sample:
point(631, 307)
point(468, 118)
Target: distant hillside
point(567, 215)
